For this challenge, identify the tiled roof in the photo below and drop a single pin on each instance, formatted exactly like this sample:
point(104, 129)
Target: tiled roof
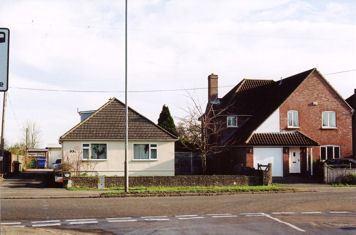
point(258, 99)
point(108, 122)
point(351, 101)
point(281, 139)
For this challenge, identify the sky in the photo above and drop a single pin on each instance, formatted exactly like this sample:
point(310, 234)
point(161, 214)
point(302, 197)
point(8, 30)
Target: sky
point(68, 55)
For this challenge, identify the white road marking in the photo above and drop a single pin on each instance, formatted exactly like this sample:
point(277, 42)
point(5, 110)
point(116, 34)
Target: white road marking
point(122, 220)
point(311, 212)
point(10, 223)
point(283, 213)
point(46, 225)
point(224, 216)
point(286, 223)
point(188, 218)
point(77, 220)
point(84, 222)
point(185, 215)
point(117, 218)
point(46, 221)
point(153, 217)
point(339, 212)
point(157, 219)
point(252, 214)
point(218, 214)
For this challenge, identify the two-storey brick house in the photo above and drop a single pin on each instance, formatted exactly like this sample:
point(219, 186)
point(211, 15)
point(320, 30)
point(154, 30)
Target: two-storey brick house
point(291, 123)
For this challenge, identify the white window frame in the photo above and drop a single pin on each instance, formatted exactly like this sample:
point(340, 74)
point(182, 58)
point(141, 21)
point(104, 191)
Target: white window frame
point(292, 112)
point(90, 154)
point(229, 123)
point(150, 148)
point(328, 126)
point(326, 151)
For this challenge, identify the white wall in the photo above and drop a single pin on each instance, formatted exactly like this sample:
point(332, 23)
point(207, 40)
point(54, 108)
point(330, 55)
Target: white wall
point(271, 124)
point(54, 154)
point(114, 164)
point(269, 155)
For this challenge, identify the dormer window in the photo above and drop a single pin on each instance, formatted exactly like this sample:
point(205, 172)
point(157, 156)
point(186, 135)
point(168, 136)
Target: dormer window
point(231, 121)
point(329, 119)
point(293, 119)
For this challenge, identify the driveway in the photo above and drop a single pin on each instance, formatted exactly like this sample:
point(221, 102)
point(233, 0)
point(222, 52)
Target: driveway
point(37, 185)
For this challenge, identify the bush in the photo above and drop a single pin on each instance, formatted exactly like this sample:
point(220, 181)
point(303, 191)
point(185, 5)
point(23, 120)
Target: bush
point(66, 166)
point(349, 179)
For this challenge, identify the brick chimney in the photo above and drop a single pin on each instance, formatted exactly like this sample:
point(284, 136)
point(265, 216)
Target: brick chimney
point(212, 87)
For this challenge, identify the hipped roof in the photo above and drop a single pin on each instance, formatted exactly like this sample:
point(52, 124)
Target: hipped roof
point(108, 123)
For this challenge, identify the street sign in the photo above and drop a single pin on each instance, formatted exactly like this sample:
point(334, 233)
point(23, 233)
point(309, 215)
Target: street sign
point(4, 58)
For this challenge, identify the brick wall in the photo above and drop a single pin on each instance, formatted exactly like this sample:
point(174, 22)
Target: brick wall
point(181, 180)
point(316, 89)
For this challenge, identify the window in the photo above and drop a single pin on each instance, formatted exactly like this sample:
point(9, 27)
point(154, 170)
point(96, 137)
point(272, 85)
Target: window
point(329, 119)
point(231, 121)
point(145, 151)
point(329, 152)
point(293, 118)
point(94, 152)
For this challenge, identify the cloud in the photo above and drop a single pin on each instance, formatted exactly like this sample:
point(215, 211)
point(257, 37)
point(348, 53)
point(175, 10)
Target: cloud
point(79, 45)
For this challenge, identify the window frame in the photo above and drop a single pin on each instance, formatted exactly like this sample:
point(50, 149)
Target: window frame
point(328, 126)
point(227, 121)
point(150, 148)
point(292, 112)
point(326, 152)
point(89, 147)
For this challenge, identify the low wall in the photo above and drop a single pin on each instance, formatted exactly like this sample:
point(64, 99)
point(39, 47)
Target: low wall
point(334, 175)
point(171, 181)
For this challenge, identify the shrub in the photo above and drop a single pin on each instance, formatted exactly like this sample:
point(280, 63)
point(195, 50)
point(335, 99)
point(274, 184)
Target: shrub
point(349, 179)
point(66, 166)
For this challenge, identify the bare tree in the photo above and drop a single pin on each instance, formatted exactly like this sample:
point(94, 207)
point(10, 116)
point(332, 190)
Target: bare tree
point(73, 162)
point(203, 131)
point(32, 134)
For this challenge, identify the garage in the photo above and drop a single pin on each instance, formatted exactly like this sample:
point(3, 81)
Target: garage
point(269, 155)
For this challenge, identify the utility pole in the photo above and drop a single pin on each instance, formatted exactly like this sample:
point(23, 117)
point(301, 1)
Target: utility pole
point(2, 131)
point(126, 110)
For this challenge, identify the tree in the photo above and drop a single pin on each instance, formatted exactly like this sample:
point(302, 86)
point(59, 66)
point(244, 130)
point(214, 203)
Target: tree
point(31, 134)
point(166, 121)
point(17, 149)
point(203, 131)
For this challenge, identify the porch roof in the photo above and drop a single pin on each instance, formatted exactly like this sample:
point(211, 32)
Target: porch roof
point(281, 139)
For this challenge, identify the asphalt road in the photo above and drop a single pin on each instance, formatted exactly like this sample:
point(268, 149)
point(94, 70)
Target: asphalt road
point(277, 213)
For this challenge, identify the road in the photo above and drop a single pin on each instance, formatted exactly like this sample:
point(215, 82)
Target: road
point(278, 213)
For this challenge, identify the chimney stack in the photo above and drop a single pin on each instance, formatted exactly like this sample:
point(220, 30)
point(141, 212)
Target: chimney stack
point(212, 87)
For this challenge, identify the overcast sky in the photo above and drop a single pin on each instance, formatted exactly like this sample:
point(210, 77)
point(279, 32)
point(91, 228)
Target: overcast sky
point(173, 44)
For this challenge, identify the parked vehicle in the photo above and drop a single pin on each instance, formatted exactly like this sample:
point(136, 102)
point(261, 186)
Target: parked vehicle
point(57, 164)
point(342, 162)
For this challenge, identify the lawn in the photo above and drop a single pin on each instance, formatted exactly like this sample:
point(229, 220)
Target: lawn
point(192, 189)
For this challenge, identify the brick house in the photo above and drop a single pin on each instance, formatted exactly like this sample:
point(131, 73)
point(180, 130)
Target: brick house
point(291, 123)
point(352, 101)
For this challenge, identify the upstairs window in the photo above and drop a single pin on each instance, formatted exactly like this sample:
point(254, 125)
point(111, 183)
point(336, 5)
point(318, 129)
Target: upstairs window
point(231, 121)
point(328, 152)
point(293, 119)
point(329, 119)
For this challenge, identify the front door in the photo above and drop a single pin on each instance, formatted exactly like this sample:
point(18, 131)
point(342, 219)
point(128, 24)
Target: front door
point(294, 160)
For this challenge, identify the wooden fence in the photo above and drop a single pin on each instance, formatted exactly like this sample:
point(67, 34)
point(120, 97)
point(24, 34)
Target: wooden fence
point(334, 175)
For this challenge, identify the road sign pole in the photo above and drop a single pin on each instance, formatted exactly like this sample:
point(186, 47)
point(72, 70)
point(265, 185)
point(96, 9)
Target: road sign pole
point(2, 132)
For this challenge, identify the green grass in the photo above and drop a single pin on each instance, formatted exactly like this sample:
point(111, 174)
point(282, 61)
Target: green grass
point(344, 185)
point(192, 189)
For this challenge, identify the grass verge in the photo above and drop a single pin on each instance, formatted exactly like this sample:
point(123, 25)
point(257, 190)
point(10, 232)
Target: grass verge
point(192, 189)
point(344, 185)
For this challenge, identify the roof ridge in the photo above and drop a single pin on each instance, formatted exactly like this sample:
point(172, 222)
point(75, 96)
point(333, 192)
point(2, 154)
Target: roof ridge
point(88, 118)
point(133, 110)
